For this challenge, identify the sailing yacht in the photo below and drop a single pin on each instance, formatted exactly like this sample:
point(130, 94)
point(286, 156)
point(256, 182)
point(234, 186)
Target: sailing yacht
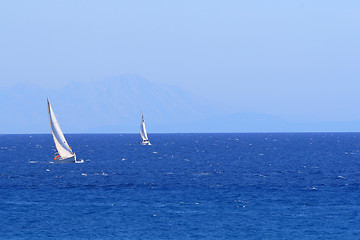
point(65, 153)
point(145, 139)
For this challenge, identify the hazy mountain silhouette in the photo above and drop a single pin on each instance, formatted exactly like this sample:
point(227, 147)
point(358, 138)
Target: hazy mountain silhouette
point(112, 105)
point(252, 122)
point(115, 105)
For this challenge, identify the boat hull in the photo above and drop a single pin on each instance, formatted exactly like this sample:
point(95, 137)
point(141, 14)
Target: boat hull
point(67, 160)
point(145, 142)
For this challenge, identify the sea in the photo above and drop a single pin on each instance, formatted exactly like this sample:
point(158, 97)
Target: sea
point(183, 186)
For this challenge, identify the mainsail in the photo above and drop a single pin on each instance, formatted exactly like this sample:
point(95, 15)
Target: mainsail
point(60, 142)
point(143, 129)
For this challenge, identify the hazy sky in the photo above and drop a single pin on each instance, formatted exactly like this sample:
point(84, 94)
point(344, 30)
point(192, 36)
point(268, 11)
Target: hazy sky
point(295, 59)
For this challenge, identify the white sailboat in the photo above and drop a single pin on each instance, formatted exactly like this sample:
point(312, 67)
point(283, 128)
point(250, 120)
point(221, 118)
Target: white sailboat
point(63, 149)
point(145, 139)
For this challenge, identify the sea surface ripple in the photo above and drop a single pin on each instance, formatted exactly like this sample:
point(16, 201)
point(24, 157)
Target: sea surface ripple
point(184, 186)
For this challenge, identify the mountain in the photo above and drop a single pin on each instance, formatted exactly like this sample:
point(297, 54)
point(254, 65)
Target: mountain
point(115, 105)
point(111, 105)
point(253, 122)
point(23, 109)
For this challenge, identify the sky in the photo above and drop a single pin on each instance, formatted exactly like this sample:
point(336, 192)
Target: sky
point(298, 60)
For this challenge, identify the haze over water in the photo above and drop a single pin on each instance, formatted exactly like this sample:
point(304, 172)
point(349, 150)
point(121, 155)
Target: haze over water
point(293, 61)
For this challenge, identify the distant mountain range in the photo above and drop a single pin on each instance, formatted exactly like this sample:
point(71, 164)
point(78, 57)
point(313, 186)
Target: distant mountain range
point(112, 105)
point(115, 106)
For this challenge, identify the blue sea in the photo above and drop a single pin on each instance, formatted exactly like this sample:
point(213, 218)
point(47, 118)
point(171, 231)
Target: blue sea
point(184, 186)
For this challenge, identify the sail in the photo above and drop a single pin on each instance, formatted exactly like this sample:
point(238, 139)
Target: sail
point(143, 130)
point(60, 142)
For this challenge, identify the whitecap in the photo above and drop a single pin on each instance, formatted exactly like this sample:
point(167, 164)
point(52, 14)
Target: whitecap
point(204, 174)
point(240, 201)
point(102, 173)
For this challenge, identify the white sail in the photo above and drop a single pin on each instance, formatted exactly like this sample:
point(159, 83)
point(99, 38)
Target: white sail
point(60, 142)
point(143, 130)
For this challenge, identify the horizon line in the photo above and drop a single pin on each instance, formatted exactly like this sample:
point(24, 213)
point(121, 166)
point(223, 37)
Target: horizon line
point(130, 133)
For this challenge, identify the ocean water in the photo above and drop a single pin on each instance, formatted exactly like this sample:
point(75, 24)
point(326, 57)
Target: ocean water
point(184, 186)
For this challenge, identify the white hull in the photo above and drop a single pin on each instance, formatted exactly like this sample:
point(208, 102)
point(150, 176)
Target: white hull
point(67, 160)
point(145, 142)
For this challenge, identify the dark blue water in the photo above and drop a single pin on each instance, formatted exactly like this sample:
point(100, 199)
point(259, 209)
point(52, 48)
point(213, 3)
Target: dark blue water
point(184, 186)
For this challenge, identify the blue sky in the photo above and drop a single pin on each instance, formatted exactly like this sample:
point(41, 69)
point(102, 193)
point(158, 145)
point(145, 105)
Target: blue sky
point(298, 60)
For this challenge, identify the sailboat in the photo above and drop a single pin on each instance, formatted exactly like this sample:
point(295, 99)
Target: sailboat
point(145, 140)
point(65, 153)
